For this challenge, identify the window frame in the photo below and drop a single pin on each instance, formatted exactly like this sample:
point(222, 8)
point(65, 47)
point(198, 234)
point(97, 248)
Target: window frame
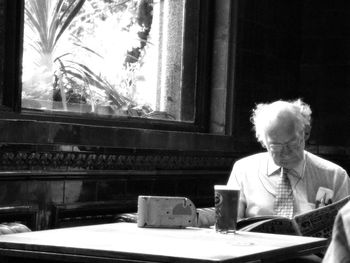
point(196, 68)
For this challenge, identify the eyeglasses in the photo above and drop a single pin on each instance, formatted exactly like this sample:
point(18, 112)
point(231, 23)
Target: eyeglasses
point(292, 145)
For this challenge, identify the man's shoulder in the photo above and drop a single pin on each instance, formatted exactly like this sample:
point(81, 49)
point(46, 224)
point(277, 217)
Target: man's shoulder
point(322, 163)
point(250, 165)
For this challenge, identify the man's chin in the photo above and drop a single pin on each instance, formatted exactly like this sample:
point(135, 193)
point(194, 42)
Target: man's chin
point(288, 163)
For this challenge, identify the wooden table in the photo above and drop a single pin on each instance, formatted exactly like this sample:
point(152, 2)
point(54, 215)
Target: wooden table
point(125, 242)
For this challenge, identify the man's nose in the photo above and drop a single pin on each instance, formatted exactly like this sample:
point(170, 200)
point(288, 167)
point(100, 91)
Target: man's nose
point(285, 149)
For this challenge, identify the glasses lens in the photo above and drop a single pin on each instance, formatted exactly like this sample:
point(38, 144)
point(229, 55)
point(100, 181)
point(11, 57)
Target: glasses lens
point(291, 145)
point(276, 147)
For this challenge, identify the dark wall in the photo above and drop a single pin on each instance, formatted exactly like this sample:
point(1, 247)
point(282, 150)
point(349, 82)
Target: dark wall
point(296, 49)
point(106, 168)
point(325, 69)
point(267, 57)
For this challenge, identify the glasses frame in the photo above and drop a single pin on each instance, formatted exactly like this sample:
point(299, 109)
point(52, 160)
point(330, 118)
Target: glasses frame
point(291, 145)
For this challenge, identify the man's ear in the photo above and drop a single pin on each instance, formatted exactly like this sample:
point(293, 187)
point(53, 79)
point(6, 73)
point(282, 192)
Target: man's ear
point(307, 132)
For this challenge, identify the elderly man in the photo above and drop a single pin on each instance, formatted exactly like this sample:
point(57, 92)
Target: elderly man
point(285, 180)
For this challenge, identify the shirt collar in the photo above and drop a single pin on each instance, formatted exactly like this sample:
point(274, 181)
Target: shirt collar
point(273, 169)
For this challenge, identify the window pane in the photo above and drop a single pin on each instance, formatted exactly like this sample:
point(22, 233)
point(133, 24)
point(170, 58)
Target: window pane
point(105, 58)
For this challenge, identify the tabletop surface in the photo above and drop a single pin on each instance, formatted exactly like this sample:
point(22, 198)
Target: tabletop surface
point(127, 241)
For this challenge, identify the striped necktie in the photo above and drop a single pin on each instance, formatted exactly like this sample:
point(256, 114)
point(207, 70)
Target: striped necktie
point(283, 205)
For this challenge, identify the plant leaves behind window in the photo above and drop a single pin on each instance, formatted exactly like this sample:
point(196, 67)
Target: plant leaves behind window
point(50, 19)
point(86, 75)
point(49, 22)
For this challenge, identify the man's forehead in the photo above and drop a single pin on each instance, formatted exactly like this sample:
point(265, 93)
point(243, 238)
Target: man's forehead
point(281, 127)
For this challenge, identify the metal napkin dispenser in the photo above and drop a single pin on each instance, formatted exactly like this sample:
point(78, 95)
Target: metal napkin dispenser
point(166, 212)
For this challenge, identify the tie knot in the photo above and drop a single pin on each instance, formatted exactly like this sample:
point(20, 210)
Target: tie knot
point(284, 171)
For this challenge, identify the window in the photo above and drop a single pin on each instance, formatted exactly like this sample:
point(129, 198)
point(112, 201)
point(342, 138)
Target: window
point(115, 60)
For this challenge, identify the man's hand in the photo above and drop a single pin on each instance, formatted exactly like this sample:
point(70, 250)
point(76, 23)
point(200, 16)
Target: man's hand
point(206, 217)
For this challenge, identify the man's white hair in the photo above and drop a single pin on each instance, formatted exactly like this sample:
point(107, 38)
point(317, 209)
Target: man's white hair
point(265, 113)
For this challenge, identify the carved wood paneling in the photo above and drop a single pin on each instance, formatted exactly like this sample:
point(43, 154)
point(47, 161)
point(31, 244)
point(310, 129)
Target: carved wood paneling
point(65, 161)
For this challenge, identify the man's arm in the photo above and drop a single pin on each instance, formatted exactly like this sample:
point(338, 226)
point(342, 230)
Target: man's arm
point(206, 217)
point(235, 181)
point(338, 250)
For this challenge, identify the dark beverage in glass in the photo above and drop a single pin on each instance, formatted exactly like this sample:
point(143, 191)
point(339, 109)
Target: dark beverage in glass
point(226, 208)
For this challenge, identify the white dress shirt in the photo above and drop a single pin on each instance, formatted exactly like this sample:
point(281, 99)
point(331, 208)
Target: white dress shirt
point(257, 177)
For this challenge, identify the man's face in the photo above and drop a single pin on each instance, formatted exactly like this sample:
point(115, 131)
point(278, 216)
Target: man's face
point(284, 144)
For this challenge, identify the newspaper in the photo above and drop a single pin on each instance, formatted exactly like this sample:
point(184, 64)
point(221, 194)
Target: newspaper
point(316, 223)
point(319, 222)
